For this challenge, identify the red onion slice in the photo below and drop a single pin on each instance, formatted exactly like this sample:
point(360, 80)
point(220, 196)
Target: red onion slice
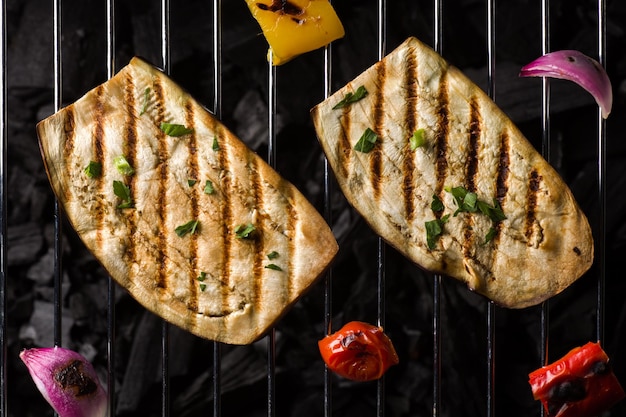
point(577, 67)
point(67, 381)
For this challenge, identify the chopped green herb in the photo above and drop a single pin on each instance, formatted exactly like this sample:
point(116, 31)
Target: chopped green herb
point(216, 146)
point(417, 140)
point(93, 170)
point(274, 267)
point(202, 276)
point(202, 287)
point(468, 202)
point(122, 191)
point(490, 235)
point(351, 97)
point(272, 255)
point(437, 205)
point(434, 229)
point(208, 187)
point(123, 166)
point(189, 227)
point(191, 182)
point(367, 141)
point(175, 130)
point(146, 96)
point(494, 212)
point(244, 231)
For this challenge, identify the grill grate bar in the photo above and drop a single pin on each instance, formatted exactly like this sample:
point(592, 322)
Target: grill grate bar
point(271, 160)
point(327, 207)
point(3, 209)
point(165, 327)
point(437, 339)
point(217, 110)
point(600, 248)
point(491, 308)
point(545, 151)
point(111, 285)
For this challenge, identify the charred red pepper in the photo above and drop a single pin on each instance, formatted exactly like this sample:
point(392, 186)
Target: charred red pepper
point(358, 351)
point(580, 384)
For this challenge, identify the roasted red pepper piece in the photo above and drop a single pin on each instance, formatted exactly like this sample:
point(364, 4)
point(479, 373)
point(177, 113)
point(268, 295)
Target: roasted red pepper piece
point(580, 384)
point(358, 351)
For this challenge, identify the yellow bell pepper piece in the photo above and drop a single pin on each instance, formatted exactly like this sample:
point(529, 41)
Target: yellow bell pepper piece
point(293, 27)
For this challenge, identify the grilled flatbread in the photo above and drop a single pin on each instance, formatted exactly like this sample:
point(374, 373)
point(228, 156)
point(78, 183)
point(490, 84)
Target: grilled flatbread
point(203, 233)
point(518, 238)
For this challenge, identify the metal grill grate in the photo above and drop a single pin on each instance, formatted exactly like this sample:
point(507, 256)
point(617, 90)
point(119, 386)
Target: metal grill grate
point(436, 12)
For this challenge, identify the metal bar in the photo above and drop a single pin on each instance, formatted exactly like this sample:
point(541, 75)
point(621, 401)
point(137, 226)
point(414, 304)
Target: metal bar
point(3, 209)
point(110, 29)
point(328, 279)
point(381, 276)
point(58, 250)
point(491, 309)
point(217, 110)
point(438, 46)
point(545, 151)
point(601, 253)
point(165, 330)
point(271, 160)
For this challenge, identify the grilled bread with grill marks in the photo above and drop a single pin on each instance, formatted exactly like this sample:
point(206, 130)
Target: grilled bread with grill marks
point(257, 245)
point(541, 247)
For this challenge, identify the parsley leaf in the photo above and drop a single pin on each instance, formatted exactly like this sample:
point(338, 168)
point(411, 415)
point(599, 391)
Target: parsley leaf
point(216, 146)
point(434, 229)
point(208, 187)
point(191, 182)
point(123, 166)
point(244, 231)
point(202, 276)
point(351, 97)
point(274, 267)
point(437, 205)
point(189, 227)
point(367, 141)
point(122, 191)
point(272, 255)
point(175, 130)
point(417, 140)
point(93, 170)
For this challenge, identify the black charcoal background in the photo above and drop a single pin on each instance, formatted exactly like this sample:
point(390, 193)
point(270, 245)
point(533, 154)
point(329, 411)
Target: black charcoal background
point(299, 378)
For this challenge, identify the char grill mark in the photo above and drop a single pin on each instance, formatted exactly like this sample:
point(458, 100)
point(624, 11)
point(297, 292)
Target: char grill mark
point(411, 119)
point(130, 152)
point(502, 177)
point(441, 137)
point(258, 252)
point(376, 161)
point(534, 181)
point(99, 150)
point(475, 125)
point(192, 303)
point(227, 214)
point(502, 180)
point(292, 220)
point(163, 174)
point(69, 130)
point(472, 171)
point(68, 147)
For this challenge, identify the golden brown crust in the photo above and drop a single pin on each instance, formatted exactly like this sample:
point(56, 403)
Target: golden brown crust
point(237, 298)
point(542, 246)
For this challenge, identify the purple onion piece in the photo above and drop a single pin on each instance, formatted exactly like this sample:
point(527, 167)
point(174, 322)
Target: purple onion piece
point(577, 67)
point(67, 381)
